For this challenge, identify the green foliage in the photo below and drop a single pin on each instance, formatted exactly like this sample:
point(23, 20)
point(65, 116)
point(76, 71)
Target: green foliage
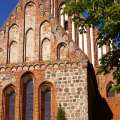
point(60, 113)
point(105, 16)
point(116, 88)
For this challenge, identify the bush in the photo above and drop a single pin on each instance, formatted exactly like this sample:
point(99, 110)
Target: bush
point(60, 113)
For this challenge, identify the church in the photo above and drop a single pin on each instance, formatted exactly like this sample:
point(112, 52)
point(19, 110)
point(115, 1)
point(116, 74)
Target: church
point(46, 62)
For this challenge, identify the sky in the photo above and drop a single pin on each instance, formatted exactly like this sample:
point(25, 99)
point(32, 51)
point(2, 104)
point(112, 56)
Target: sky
point(6, 8)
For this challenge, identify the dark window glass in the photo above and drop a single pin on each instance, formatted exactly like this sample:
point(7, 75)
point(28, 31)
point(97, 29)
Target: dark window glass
point(28, 100)
point(66, 25)
point(12, 106)
point(46, 103)
point(9, 104)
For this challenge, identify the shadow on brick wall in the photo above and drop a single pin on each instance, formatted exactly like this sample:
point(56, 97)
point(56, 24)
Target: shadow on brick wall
point(98, 108)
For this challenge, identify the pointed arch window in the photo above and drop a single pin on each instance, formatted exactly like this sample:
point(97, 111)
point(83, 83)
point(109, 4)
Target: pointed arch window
point(9, 103)
point(27, 97)
point(45, 102)
point(61, 51)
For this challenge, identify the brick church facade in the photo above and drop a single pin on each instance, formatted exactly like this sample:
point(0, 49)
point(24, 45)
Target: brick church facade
point(45, 61)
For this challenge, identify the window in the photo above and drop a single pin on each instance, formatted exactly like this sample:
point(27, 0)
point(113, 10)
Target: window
point(61, 51)
point(45, 98)
point(9, 100)
point(27, 97)
point(110, 92)
point(66, 25)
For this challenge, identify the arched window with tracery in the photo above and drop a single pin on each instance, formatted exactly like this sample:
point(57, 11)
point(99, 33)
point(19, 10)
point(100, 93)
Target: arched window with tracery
point(45, 102)
point(110, 92)
point(9, 103)
point(61, 51)
point(27, 96)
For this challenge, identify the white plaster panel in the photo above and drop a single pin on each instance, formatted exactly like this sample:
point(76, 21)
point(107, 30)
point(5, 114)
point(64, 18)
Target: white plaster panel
point(45, 30)
point(46, 49)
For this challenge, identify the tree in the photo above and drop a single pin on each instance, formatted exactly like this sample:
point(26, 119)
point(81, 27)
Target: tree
point(60, 113)
point(105, 16)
